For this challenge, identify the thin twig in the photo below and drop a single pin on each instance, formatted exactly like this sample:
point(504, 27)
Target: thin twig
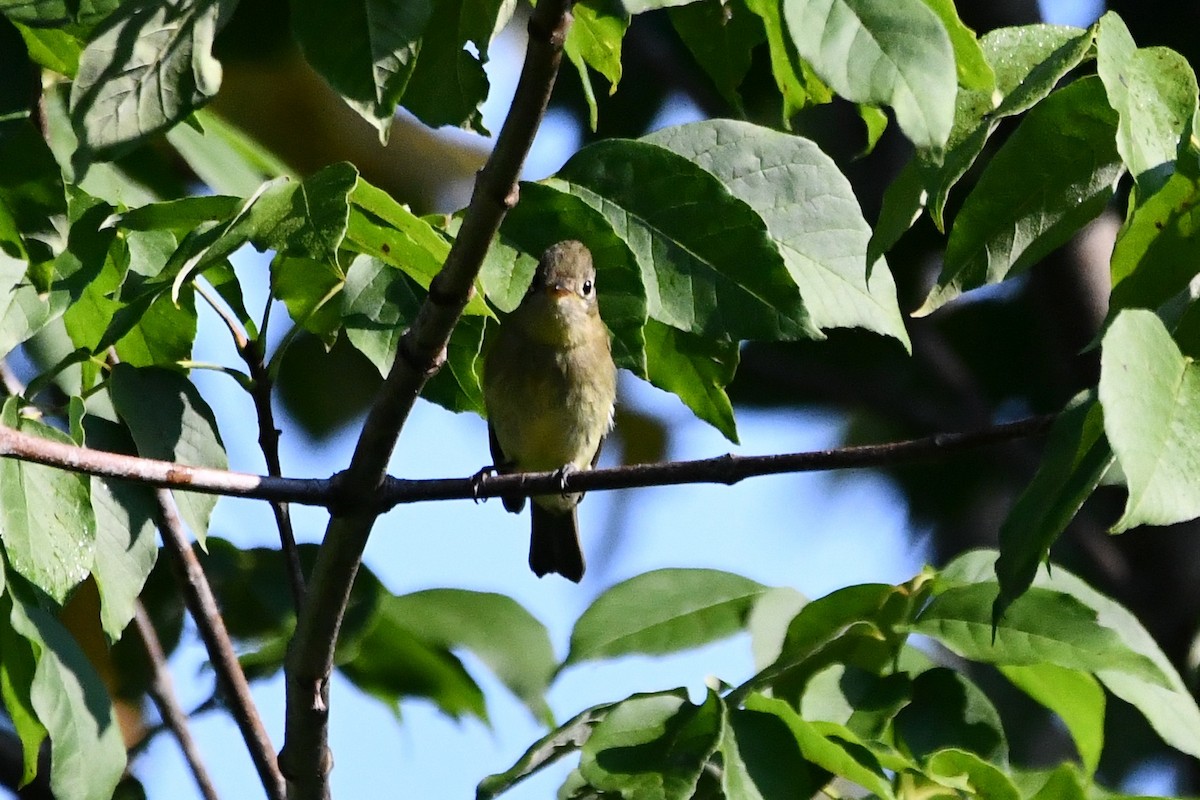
point(305, 758)
point(333, 492)
point(162, 693)
point(202, 605)
point(268, 441)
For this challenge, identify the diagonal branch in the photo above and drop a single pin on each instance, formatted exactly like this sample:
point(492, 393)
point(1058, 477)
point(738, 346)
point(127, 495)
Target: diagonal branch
point(202, 605)
point(305, 758)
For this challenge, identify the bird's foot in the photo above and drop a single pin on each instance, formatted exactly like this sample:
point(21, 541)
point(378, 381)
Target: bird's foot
point(562, 473)
point(477, 481)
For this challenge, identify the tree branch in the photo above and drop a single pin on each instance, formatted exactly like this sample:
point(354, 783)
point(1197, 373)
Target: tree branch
point(162, 692)
point(305, 758)
point(331, 492)
point(202, 605)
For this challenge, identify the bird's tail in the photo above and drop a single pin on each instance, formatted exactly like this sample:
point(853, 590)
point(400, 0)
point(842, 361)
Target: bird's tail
point(554, 544)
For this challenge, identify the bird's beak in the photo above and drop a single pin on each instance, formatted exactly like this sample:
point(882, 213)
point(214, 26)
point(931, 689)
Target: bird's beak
point(559, 290)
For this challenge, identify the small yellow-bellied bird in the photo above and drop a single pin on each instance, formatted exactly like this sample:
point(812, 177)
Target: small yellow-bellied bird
point(549, 385)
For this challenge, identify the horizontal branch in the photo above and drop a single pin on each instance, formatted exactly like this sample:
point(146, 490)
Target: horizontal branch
point(333, 493)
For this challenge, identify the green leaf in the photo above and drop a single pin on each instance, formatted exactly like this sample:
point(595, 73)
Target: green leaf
point(392, 662)
point(1151, 397)
point(762, 759)
point(695, 369)
point(1170, 707)
point(169, 420)
point(889, 52)
point(722, 36)
point(145, 69)
point(1028, 62)
point(87, 754)
point(18, 662)
point(311, 291)
point(448, 83)
point(948, 710)
point(862, 701)
point(366, 50)
point(966, 771)
point(1076, 697)
point(1042, 625)
point(55, 49)
point(126, 548)
point(458, 384)
point(1153, 90)
point(663, 612)
point(769, 620)
point(381, 227)
point(653, 746)
point(831, 754)
point(1077, 456)
point(1015, 216)
point(521, 658)
point(594, 40)
point(716, 273)
point(797, 84)
point(811, 215)
point(56, 13)
point(971, 65)
point(546, 212)
point(378, 303)
point(46, 520)
point(1158, 248)
point(563, 740)
point(903, 201)
point(178, 216)
point(222, 156)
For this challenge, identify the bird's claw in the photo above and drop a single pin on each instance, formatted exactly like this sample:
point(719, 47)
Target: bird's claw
point(477, 482)
point(562, 473)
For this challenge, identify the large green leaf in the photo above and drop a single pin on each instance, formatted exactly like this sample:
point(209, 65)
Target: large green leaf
point(653, 746)
point(695, 369)
point(811, 214)
point(762, 760)
point(1077, 457)
point(18, 663)
point(1027, 63)
point(947, 710)
point(663, 612)
point(125, 532)
point(366, 49)
point(797, 84)
point(965, 771)
point(1151, 397)
point(500, 632)
point(169, 420)
point(1158, 250)
point(380, 227)
point(708, 264)
point(1076, 697)
point(225, 158)
point(54, 13)
point(46, 520)
point(594, 40)
point(391, 662)
point(830, 753)
point(87, 753)
point(144, 70)
point(559, 742)
point(448, 83)
point(1040, 626)
point(887, 52)
point(971, 64)
point(1153, 90)
point(1170, 707)
point(1016, 215)
point(722, 37)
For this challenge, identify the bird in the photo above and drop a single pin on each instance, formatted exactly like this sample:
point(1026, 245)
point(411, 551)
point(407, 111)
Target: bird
point(549, 388)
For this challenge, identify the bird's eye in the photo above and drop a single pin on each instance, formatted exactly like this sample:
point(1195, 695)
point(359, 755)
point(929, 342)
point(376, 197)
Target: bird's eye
point(587, 288)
